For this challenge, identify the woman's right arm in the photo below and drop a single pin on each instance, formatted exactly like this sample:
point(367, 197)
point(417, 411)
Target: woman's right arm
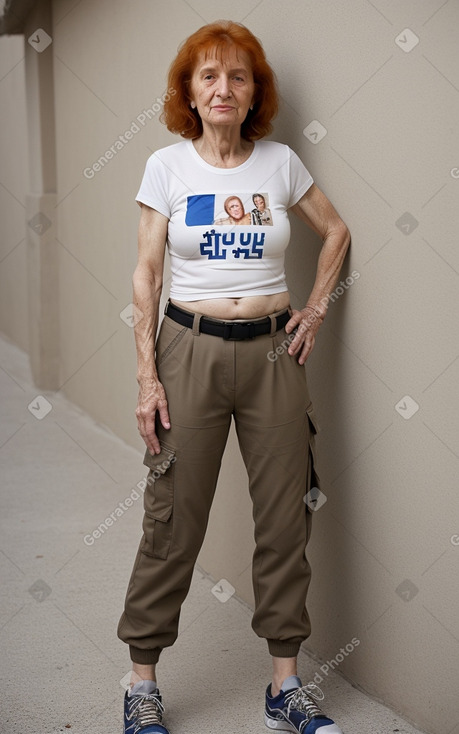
point(147, 282)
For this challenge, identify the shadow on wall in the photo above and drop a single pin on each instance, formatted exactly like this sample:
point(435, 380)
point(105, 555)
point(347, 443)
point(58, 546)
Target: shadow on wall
point(328, 388)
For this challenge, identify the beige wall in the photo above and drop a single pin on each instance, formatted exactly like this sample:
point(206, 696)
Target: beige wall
point(383, 548)
point(13, 190)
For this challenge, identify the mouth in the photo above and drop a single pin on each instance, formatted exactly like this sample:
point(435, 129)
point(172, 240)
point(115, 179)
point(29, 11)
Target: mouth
point(223, 107)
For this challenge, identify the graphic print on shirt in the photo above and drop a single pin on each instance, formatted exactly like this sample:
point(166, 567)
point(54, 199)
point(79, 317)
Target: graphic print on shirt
point(233, 210)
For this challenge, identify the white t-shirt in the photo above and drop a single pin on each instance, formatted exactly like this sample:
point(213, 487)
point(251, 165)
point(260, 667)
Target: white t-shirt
point(214, 252)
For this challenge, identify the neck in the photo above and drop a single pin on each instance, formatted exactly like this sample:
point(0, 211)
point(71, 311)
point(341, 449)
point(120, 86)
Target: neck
point(223, 146)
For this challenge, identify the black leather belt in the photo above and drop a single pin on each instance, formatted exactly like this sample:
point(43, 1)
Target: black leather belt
point(234, 330)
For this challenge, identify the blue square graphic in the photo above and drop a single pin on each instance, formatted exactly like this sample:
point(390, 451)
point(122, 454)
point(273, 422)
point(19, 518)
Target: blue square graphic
point(200, 209)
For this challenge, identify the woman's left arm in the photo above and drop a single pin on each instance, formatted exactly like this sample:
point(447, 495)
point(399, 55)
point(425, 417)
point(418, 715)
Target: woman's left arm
point(319, 214)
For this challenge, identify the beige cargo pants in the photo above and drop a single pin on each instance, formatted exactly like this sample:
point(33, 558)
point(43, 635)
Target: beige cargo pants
point(207, 381)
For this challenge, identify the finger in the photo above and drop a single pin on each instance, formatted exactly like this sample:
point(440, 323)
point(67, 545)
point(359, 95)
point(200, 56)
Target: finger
point(150, 436)
point(141, 427)
point(153, 444)
point(164, 415)
point(301, 341)
point(306, 351)
point(293, 322)
point(296, 343)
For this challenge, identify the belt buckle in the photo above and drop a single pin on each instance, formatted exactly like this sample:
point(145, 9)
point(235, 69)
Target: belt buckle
point(228, 330)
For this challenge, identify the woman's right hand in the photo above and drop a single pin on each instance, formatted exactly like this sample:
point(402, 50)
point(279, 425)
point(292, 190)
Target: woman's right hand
point(152, 399)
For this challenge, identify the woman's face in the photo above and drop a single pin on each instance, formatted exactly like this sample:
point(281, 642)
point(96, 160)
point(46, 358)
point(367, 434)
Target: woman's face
point(223, 88)
point(234, 209)
point(259, 203)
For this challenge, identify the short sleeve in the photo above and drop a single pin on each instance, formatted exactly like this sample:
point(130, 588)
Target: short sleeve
point(300, 178)
point(154, 186)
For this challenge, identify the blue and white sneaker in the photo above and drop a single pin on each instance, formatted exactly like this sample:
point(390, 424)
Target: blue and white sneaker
point(143, 709)
point(295, 710)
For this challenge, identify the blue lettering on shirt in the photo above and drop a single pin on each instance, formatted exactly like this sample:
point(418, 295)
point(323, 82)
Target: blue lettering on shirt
point(252, 245)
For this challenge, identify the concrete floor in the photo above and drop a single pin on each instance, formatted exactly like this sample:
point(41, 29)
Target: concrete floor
point(62, 665)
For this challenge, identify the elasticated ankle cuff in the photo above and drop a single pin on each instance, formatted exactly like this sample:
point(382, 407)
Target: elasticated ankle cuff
point(284, 648)
point(144, 657)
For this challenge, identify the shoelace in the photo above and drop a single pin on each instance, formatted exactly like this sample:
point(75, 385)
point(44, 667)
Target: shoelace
point(301, 700)
point(147, 709)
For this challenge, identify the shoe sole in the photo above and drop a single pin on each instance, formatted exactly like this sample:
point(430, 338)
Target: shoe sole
point(278, 724)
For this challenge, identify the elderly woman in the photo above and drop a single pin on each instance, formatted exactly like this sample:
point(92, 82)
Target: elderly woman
point(234, 207)
point(230, 344)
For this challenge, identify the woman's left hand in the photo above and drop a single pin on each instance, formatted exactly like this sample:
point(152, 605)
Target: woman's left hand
point(307, 322)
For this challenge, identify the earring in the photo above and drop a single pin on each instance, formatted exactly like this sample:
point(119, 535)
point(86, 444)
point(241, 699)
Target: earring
point(251, 106)
point(193, 105)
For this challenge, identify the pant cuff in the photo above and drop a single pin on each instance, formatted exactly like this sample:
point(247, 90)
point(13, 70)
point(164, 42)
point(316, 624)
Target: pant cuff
point(144, 657)
point(284, 648)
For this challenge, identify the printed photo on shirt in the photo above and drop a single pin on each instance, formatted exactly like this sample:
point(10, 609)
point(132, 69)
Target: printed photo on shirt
point(232, 209)
point(261, 213)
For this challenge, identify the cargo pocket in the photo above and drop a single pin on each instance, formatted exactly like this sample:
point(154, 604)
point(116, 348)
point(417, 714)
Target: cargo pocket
point(158, 502)
point(313, 493)
point(313, 477)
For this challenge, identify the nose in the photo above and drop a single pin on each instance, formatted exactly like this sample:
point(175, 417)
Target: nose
point(224, 90)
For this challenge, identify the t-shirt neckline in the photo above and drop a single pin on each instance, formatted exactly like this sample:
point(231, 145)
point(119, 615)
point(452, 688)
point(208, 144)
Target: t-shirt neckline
point(216, 169)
